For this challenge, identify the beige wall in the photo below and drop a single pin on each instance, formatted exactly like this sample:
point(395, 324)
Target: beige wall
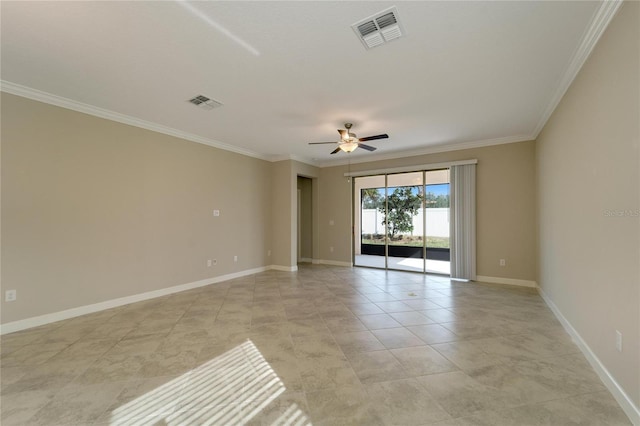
point(588, 167)
point(284, 224)
point(94, 210)
point(505, 207)
point(285, 209)
point(334, 199)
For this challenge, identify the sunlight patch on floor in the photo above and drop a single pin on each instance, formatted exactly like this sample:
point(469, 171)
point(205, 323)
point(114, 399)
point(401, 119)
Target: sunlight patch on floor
point(230, 389)
point(293, 416)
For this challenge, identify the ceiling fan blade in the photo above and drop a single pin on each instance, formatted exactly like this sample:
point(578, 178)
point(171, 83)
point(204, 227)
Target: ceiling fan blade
point(373, 138)
point(343, 134)
point(367, 147)
point(335, 150)
point(320, 143)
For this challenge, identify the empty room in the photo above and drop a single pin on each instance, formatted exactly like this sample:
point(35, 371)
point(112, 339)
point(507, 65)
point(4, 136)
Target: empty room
point(320, 213)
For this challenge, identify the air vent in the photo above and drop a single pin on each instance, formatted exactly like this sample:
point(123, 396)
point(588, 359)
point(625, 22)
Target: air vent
point(379, 28)
point(386, 20)
point(204, 102)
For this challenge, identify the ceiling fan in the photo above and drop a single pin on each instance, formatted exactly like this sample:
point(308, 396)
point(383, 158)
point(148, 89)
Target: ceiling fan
point(349, 141)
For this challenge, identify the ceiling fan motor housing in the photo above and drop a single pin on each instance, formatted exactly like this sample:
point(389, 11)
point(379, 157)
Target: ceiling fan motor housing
point(349, 141)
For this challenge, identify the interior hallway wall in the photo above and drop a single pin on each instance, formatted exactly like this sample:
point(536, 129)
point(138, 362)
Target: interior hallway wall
point(588, 160)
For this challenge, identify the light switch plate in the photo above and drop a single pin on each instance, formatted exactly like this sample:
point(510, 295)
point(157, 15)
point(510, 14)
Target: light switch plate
point(10, 296)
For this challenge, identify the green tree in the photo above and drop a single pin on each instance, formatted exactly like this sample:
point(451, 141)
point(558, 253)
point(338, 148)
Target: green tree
point(433, 201)
point(372, 198)
point(403, 204)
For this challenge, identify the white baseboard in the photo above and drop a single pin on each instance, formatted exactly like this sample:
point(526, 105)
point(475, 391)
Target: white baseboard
point(284, 268)
point(305, 260)
point(627, 405)
point(507, 281)
point(330, 262)
point(114, 303)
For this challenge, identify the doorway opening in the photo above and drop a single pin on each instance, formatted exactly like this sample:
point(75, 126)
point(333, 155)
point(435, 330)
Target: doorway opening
point(305, 220)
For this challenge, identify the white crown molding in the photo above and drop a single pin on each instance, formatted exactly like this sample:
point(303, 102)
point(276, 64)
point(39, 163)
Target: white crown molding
point(625, 401)
point(48, 98)
point(599, 23)
point(427, 150)
point(284, 157)
point(305, 160)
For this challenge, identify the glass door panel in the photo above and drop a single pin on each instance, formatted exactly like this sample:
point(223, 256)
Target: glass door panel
point(437, 221)
point(404, 221)
point(369, 240)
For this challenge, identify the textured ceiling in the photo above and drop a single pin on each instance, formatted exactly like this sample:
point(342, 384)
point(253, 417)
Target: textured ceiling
point(289, 73)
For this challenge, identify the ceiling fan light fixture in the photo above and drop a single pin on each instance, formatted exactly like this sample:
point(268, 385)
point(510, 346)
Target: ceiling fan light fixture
point(348, 146)
point(349, 142)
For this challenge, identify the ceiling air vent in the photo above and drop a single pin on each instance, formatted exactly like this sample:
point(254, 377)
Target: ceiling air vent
point(204, 102)
point(379, 28)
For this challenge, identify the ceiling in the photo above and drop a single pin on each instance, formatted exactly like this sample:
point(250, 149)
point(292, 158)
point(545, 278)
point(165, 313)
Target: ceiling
point(289, 73)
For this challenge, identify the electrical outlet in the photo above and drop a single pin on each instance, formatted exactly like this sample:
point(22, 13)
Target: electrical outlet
point(331, 223)
point(216, 213)
point(503, 262)
point(215, 261)
point(10, 295)
point(209, 263)
point(268, 252)
point(235, 258)
point(331, 249)
point(618, 341)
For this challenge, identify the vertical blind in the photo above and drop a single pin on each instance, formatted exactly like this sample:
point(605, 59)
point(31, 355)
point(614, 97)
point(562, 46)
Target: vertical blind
point(463, 221)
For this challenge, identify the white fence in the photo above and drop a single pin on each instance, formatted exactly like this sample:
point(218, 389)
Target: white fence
point(437, 222)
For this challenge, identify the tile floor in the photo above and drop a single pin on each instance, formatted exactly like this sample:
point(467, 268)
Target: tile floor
point(325, 345)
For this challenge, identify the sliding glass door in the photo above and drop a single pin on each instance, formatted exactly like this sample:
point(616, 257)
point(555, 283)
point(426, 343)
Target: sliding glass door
point(401, 221)
point(437, 217)
point(370, 244)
